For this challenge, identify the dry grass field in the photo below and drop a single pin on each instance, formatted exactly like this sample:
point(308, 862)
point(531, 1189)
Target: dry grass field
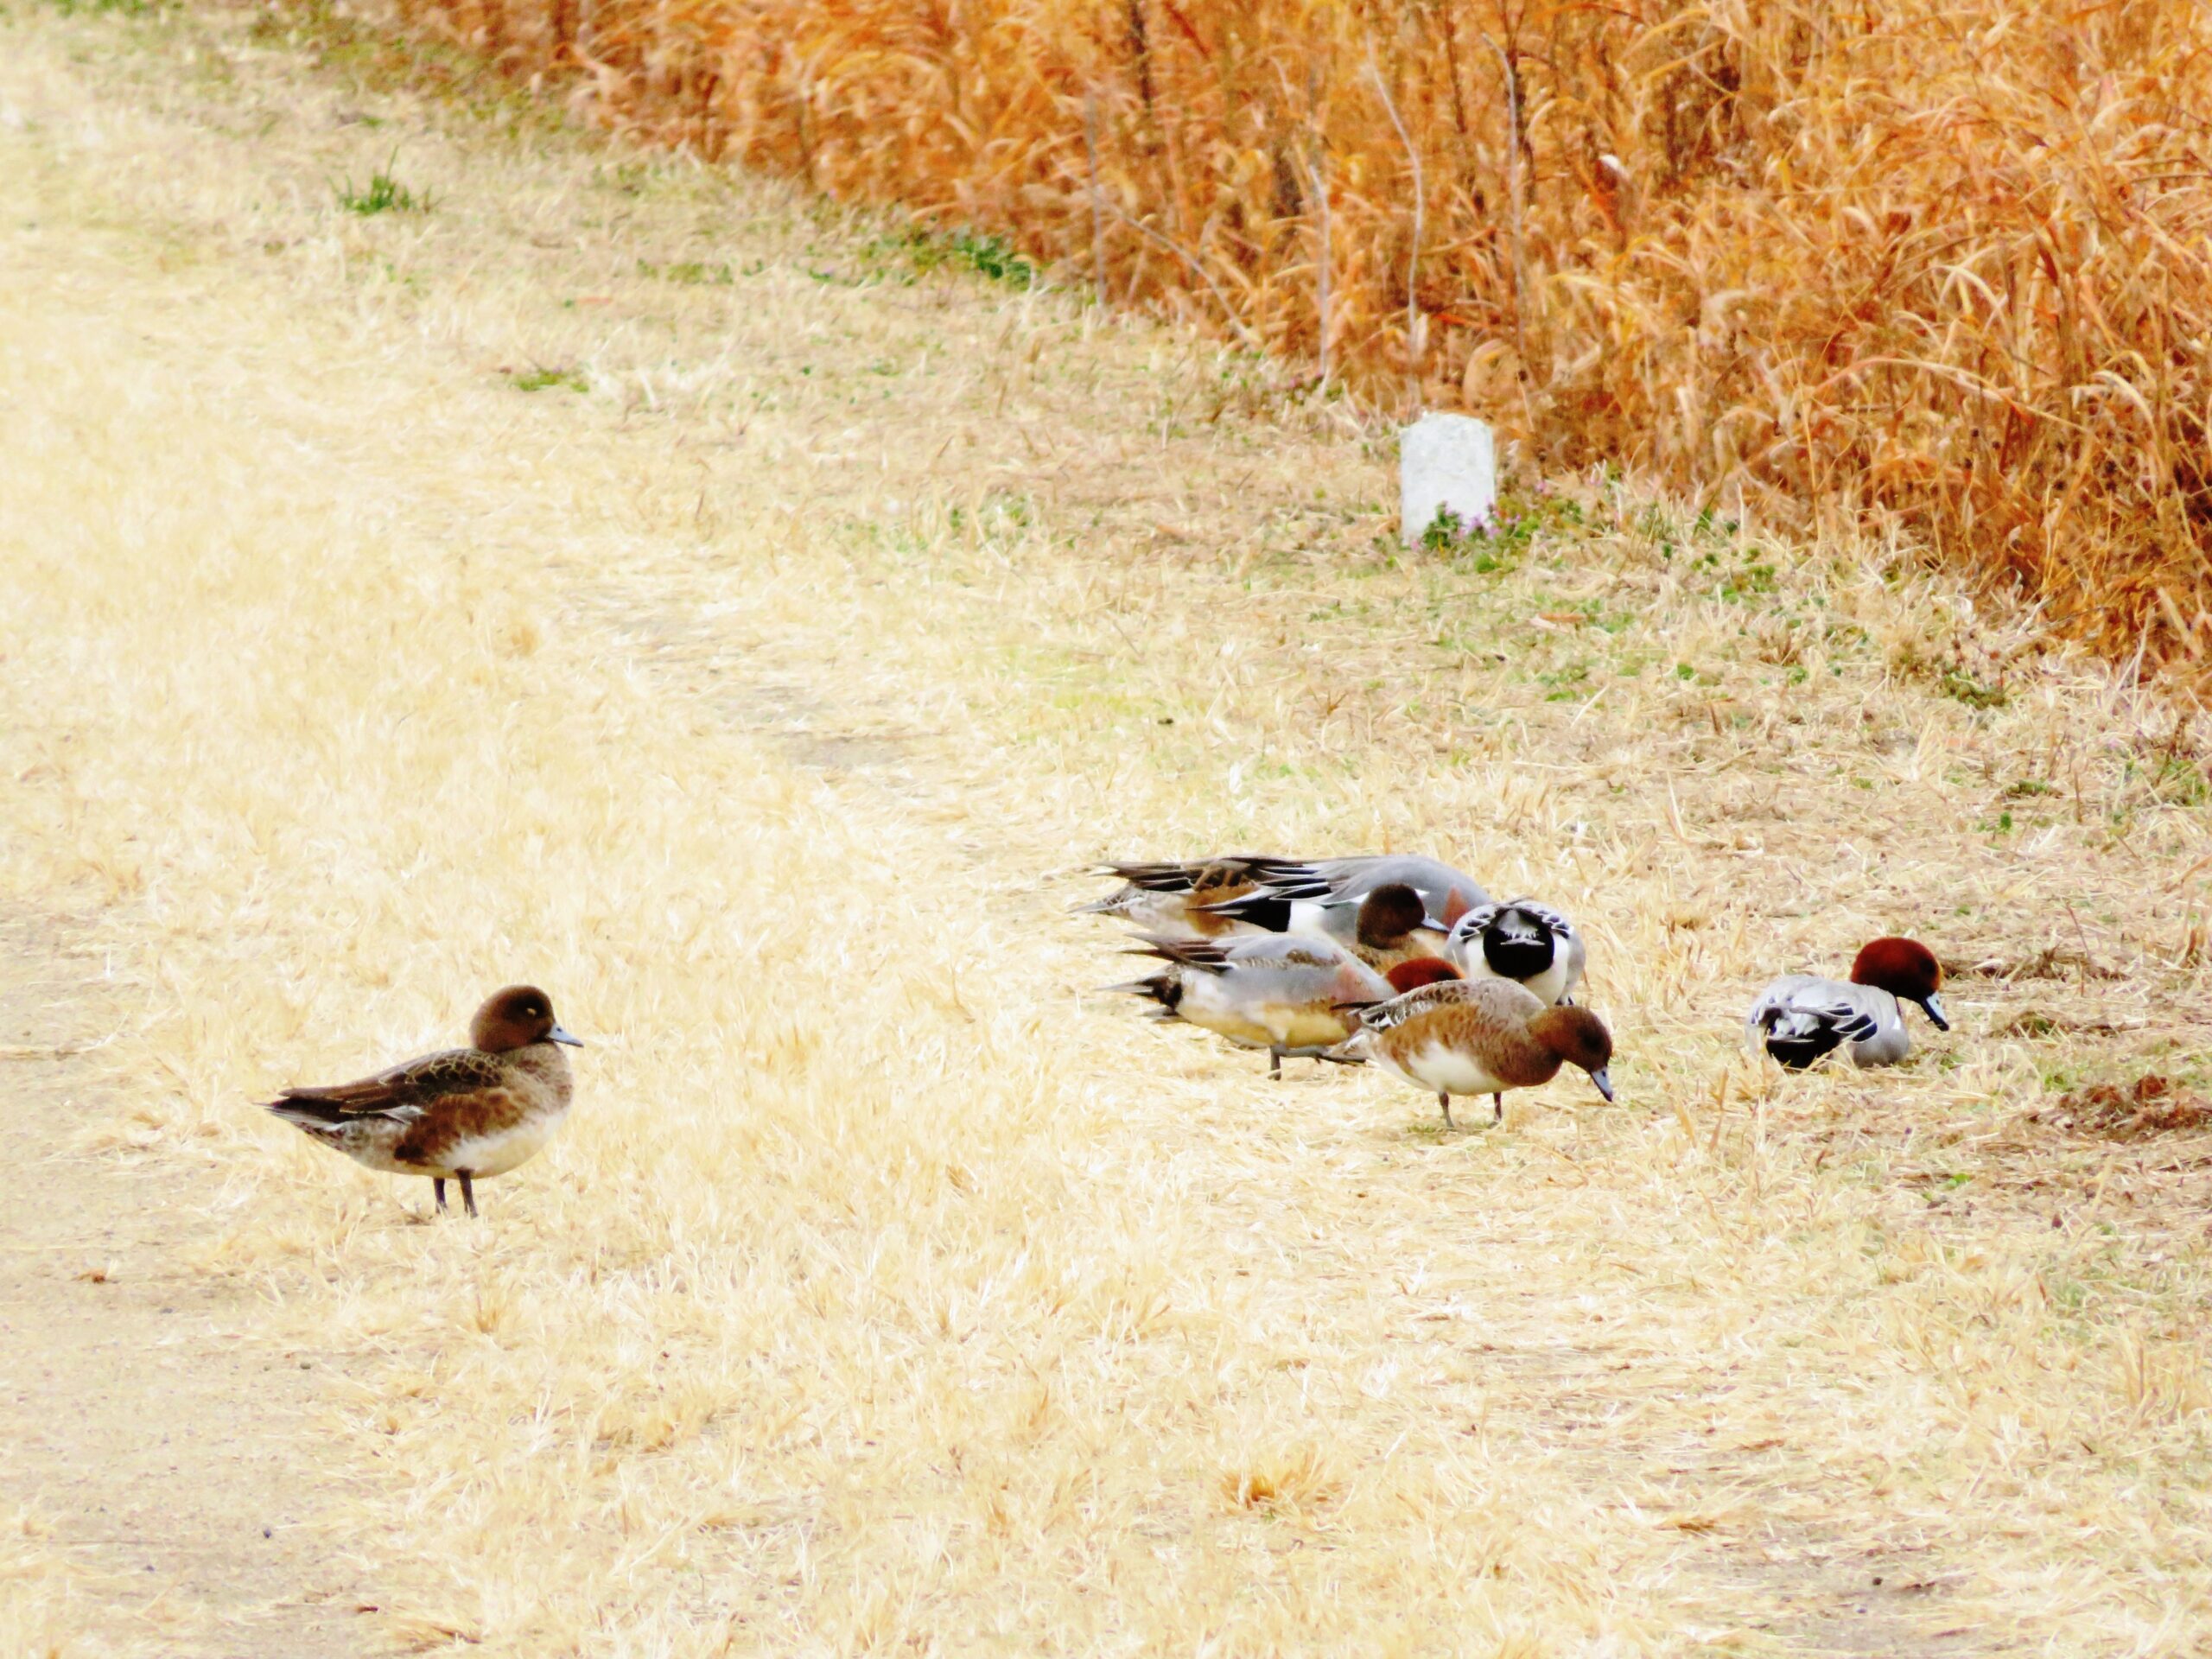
point(745, 622)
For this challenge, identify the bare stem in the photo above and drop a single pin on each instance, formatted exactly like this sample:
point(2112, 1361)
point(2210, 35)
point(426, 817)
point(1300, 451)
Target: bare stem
point(1413, 259)
point(1244, 335)
point(1098, 218)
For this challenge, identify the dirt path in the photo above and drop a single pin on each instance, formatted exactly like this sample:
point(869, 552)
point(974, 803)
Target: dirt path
point(165, 1449)
point(741, 618)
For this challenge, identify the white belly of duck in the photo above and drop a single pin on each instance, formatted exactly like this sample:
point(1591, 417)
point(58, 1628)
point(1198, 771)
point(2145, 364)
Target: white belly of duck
point(497, 1153)
point(1439, 1069)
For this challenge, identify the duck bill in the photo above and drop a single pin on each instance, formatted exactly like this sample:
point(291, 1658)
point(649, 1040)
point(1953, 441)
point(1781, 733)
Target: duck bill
point(1934, 1005)
point(1604, 1084)
point(561, 1034)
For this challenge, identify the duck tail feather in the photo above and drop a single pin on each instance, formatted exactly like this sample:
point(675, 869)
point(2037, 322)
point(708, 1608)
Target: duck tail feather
point(306, 1110)
point(1162, 988)
point(1266, 908)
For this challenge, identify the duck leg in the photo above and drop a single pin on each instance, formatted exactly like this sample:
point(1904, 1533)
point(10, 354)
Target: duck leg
point(1274, 1064)
point(1498, 1101)
point(467, 1195)
point(438, 1186)
point(1445, 1101)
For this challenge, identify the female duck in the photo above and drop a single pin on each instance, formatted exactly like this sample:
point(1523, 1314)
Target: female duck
point(462, 1114)
point(1801, 1017)
point(1287, 995)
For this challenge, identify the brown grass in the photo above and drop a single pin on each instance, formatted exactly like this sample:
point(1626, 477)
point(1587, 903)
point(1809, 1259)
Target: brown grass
point(1934, 263)
point(760, 697)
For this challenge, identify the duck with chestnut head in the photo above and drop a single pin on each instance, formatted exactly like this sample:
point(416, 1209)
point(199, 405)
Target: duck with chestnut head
point(1801, 1017)
point(1479, 1037)
point(460, 1114)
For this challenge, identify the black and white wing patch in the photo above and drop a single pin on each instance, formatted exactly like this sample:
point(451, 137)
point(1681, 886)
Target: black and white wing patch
point(1799, 1031)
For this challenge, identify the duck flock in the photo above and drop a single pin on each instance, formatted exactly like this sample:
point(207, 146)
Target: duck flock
point(1406, 962)
point(1393, 959)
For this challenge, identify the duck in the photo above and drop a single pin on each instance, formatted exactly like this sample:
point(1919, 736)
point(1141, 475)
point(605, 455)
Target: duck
point(1394, 926)
point(1177, 898)
point(1321, 898)
point(1530, 943)
point(1288, 996)
point(1478, 1037)
point(463, 1114)
point(1417, 971)
point(1800, 1017)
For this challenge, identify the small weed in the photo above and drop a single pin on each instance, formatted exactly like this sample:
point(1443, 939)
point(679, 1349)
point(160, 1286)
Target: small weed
point(995, 257)
point(2180, 781)
point(691, 273)
point(1448, 533)
point(384, 194)
point(541, 379)
point(919, 252)
point(1563, 684)
point(1754, 578)
point(1962, 687)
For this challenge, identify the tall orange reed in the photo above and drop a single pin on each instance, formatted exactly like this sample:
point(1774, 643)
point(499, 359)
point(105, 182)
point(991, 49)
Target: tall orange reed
point(1944, 261)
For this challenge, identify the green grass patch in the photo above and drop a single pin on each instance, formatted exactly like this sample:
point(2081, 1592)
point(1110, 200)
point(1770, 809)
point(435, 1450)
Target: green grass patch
point(550, 380)
point(383, 194)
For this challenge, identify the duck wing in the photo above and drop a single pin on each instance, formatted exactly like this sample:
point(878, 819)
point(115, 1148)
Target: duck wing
point(1255, 953)
point(1798, 1018)
point(1499, 1000)
point(1333, 888)
point(1183, 877)
point(402, 1093)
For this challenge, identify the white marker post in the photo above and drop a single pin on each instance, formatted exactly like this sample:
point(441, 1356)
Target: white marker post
point(1448, 461)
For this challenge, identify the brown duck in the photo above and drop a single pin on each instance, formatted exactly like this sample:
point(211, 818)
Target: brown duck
point(1479, 1037)
point(463, 1114)
point(1394, 926)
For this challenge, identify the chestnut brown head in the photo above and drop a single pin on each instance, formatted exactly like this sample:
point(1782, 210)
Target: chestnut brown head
point(1411, 976)
point(515, 1017)
point(1905, 968)
point(1388, 914)
point(1579, 1037)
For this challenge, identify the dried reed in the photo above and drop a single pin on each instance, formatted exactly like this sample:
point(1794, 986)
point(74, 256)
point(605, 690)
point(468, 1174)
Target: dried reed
point(1941, 264)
